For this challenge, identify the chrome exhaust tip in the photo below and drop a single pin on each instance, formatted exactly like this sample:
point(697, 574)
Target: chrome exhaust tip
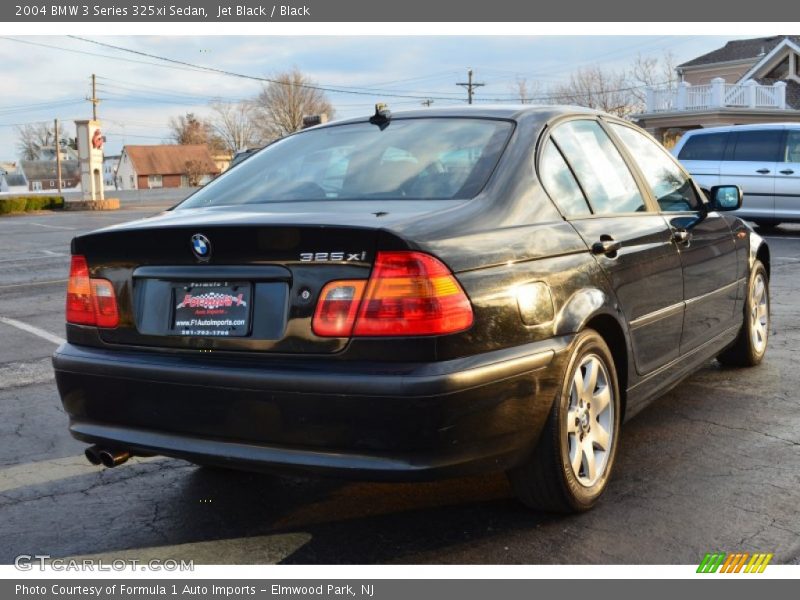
point(113, 458)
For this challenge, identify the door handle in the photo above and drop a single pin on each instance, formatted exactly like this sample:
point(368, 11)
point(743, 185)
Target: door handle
point(607, 245)
point(681, 236)
point(787, 172)
point(763, 171)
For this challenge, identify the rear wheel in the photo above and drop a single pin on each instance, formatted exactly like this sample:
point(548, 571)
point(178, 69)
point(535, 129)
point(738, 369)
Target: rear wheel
point(573, 460)
point(751, 344)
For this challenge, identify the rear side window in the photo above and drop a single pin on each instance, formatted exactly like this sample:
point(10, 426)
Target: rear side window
point(560, 184)
point(671, 187)
point(599, 167)
point(758, 146)
point(705, 146)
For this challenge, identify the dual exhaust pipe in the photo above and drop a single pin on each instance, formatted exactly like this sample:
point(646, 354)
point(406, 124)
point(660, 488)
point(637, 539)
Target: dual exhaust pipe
point(106, 456)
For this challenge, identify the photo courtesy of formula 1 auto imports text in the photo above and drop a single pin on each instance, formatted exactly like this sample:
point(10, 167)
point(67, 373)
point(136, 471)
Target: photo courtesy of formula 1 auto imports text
point(349, 299)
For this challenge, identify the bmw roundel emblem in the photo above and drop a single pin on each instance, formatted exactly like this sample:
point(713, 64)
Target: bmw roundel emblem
point(201, 246)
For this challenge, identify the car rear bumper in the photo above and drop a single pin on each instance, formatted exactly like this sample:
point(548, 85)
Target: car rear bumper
point(367, 420)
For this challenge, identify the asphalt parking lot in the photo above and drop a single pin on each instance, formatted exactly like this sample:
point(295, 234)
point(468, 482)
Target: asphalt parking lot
point(713, 465)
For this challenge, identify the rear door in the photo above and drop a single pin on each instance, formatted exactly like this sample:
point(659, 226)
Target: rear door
point(751, 163)
point(704, 239)
point(640, 260)
point(787, 179)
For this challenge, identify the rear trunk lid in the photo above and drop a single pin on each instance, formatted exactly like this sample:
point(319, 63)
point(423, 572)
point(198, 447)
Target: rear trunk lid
point(258, 285)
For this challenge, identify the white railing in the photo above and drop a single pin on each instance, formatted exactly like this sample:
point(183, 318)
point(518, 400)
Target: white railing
point(717, 94)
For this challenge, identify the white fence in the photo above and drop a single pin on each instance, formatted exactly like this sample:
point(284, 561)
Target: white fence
point(717, 94)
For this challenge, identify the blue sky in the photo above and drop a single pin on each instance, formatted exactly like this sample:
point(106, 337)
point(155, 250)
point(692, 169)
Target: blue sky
point(47, 77)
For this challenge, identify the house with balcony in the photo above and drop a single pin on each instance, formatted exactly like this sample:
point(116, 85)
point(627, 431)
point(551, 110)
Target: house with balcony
point(746, 81)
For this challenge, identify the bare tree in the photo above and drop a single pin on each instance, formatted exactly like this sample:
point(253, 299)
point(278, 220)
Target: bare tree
point(190, 129)
point(32, 138)
point(235, 125)
point(526, 92)
point(194, 172)
point(283, 103)
point(598, 88)
point(651, 71)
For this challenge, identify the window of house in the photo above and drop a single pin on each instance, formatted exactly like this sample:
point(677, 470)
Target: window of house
point(184, 181)
point(758, 146)
point(672, 189)
point(599, 167)
point(154, 181)
point(781, 70)
point(704, 146)
point(560, 183)
point(36, 185)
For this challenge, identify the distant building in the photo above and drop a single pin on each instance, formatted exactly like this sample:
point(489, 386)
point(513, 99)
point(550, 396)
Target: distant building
point(110, 164)
point(165, 166)
point(746, 81)
point(42, 175)
point(12, 181)
point(49, 153)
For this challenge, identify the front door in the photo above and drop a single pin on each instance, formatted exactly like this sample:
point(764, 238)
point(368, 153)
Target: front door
point(787, 179)
point(751, 163)
point(704, 240)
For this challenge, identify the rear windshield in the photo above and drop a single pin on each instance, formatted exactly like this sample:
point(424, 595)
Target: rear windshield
point(415, 159)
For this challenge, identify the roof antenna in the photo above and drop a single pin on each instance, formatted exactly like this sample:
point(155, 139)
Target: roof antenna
point(382, 116)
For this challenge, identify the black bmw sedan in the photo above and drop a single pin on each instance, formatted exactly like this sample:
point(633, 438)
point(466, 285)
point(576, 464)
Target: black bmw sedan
point(416, 295)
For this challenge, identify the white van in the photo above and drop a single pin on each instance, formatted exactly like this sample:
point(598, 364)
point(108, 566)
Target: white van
point(764, 160)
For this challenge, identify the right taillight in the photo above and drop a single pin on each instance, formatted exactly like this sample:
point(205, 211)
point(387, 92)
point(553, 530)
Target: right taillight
point(408, 293)
point(90, 301)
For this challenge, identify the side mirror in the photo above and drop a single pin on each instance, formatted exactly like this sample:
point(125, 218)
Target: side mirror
point(725, 197)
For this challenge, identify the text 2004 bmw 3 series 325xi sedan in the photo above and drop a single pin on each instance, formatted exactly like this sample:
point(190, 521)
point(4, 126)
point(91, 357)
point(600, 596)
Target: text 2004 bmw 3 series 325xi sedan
point(415, 295)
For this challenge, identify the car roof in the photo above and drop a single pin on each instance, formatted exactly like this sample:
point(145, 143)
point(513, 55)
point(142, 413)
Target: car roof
point(755, 126)
point(486, 111)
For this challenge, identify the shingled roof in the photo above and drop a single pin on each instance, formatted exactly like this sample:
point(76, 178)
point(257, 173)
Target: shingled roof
point(43, 170)
point(170, 159)
point(741, 50)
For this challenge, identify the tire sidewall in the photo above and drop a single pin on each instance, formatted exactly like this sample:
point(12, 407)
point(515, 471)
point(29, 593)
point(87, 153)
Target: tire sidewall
point(582, 497)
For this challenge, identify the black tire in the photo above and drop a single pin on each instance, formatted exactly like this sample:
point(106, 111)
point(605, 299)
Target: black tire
point(746, 351)
point(547, 480)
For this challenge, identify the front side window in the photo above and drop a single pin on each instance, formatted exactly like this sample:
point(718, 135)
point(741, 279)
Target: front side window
point(792, 151)
point(154, 181)
point(671, 187)
point(757, 146)
point(403, 159)
point(599, 167)
point(560, 184)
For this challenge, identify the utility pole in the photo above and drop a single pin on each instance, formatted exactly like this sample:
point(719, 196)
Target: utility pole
point(94, 99)
point(427, 103)
point(470, 85)
point(58, 157)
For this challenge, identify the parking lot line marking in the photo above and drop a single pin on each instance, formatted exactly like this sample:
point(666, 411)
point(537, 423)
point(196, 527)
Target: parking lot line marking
point(45, 335)
point(28, 258)
point(259, 549)
point(32, 283)
point(48, 226)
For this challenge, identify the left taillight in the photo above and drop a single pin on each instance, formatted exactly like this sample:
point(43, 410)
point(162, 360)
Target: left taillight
point(90, 301)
